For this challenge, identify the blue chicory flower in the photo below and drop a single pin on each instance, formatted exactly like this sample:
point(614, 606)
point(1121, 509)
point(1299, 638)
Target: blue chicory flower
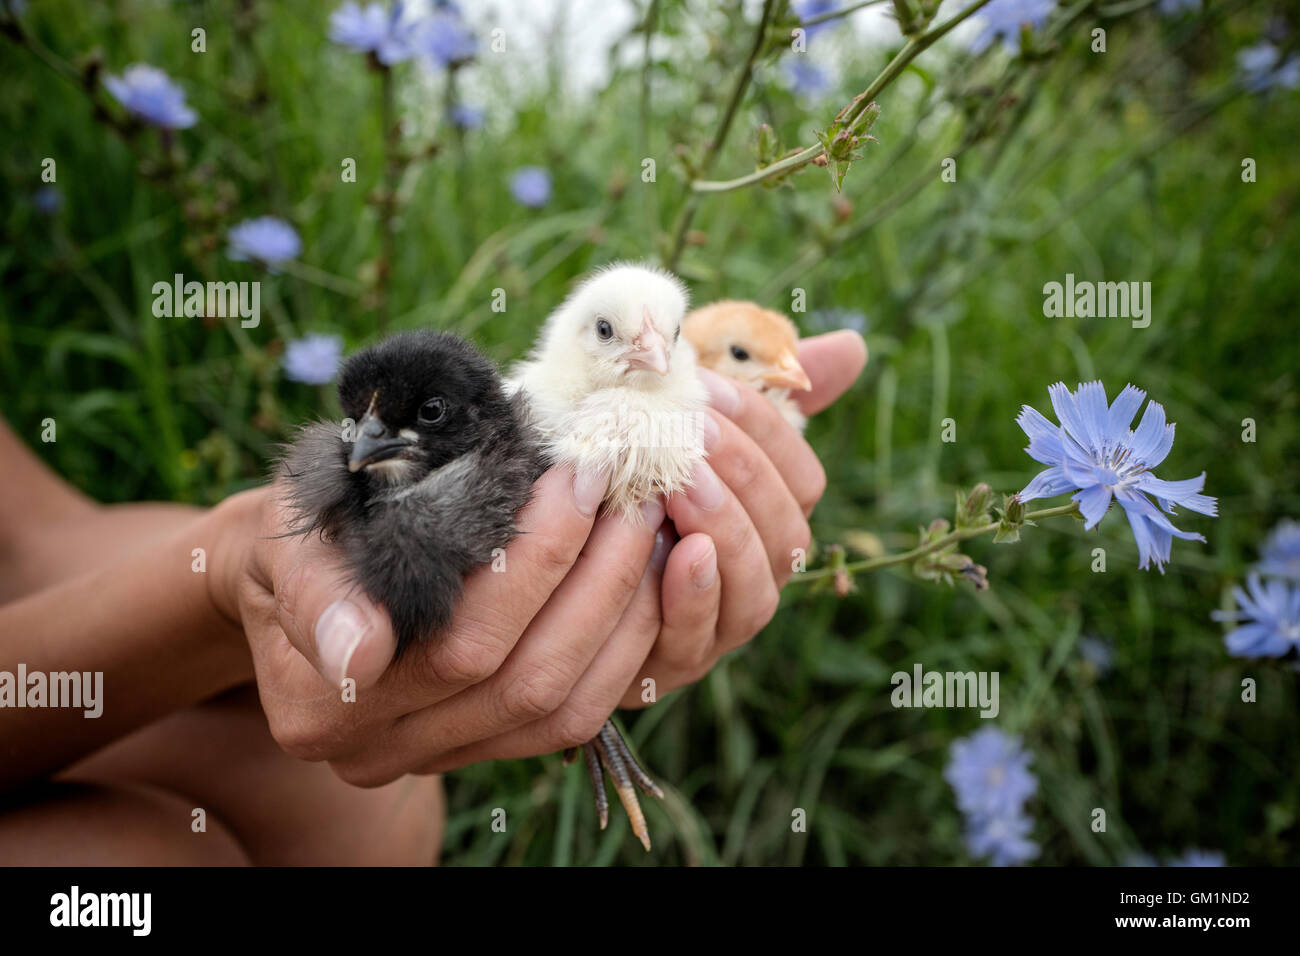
point(389, 34)
point(149, 94)
point(1195, 857)
point(313, 359)
point(1098, 652)
point(267, 240)
point(467, 117)
point(1003, 18)
point(1094, 453)
point(807, 10)
point(806, 78)
point(989, 773)
point(1171, 7)
point(48, 200)
point(1280, 556)
point(1262, 68)
point(1269, 614)
point(531, 186)
point(1002, 840)
point(446, 40)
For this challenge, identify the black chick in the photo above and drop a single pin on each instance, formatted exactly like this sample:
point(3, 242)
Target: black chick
point(423, 483)
point(420, 486)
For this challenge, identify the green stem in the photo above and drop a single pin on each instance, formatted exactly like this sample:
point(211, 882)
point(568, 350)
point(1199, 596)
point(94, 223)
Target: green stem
point(683, 224)
point(920, 551)
point(913, 48)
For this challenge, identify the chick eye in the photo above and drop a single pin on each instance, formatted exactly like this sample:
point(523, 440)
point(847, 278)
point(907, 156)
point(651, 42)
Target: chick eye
point(739, 354)
point(433, 411)
point(604, 331)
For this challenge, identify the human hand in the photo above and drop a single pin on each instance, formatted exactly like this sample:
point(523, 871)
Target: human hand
point(743, 518)
point(535, 660)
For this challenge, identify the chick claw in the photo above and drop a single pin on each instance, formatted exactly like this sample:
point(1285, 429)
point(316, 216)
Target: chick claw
point(608, 751)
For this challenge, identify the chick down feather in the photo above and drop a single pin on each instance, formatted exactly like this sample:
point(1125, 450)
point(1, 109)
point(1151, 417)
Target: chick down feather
point(408, 541)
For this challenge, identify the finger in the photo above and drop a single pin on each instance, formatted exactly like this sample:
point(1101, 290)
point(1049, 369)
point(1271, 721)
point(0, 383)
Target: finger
point(593, 698)
point(793, 457)
point(833, 361)
point(755, 481)
point(556, 649)
point(499, 600)
point(749, 592)
point(328, 620)
point(691, 593)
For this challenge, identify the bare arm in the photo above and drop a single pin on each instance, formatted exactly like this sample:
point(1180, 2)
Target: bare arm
point(108, 589)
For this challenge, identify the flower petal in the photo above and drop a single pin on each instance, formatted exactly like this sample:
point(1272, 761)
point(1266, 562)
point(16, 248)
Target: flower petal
point(1153, 439)
point(1256, 640)
point(1091, 402)
point(1183, 493)
point(1044, 437)
point(1093, 503)
point(1122, 410)
point(1047, 484)
point(1067, 412)
point(1146, 543)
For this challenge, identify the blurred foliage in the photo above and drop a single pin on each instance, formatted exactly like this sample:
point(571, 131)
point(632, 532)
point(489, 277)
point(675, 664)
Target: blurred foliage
point(1120, 166)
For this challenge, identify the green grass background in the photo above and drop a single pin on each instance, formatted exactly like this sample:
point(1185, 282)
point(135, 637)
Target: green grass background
point(950, 282)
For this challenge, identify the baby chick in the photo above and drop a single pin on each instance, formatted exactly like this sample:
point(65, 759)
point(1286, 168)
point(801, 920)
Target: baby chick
point(424, 483)
point(611, 388)
point(744, 341)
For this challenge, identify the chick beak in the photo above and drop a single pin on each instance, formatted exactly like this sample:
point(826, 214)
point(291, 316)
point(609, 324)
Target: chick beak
point(374, 443)
point(787, 373)
point(649, 349)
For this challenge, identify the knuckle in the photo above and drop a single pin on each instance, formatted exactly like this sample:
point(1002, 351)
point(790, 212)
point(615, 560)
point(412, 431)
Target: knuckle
point(298, 737)
point(801, 539)
point(463, 659)
point(814, 485)
point(574, 725)
point(761, 611)
point(743, 470)
point(627, 577)
point(551, 554)
point(538, 693)
point(362, 773)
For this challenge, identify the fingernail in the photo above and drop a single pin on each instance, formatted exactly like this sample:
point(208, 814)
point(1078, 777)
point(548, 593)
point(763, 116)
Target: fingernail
point(710, 433)
point(664, 542)
point(705, 571)
point(652, 512)
point(338, 635)
point(722, 393)
point(706, 490)
point(589, 490)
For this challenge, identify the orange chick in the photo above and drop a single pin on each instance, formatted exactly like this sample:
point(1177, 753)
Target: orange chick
point(754, 345)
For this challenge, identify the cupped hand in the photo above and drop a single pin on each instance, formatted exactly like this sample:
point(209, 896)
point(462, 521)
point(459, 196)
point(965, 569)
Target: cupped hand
point(743, 520)
point(542, 644)
point(547, 641)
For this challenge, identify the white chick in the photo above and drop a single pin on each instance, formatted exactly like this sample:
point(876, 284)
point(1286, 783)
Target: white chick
point(611, 385)
point(754, 345)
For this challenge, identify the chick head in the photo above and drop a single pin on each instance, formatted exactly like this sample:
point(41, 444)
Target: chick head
point(418, 400)
point(748, 343)
point(626, 321)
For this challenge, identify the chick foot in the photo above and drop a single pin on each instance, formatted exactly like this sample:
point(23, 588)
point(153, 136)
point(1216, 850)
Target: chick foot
point(609, 752)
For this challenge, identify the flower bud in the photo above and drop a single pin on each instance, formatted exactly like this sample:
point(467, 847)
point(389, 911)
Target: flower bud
point(973, 509)
point(1013, 517)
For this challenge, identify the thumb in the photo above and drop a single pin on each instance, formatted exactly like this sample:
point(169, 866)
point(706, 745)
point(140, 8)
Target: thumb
point(327, 619)
point(833, 361)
